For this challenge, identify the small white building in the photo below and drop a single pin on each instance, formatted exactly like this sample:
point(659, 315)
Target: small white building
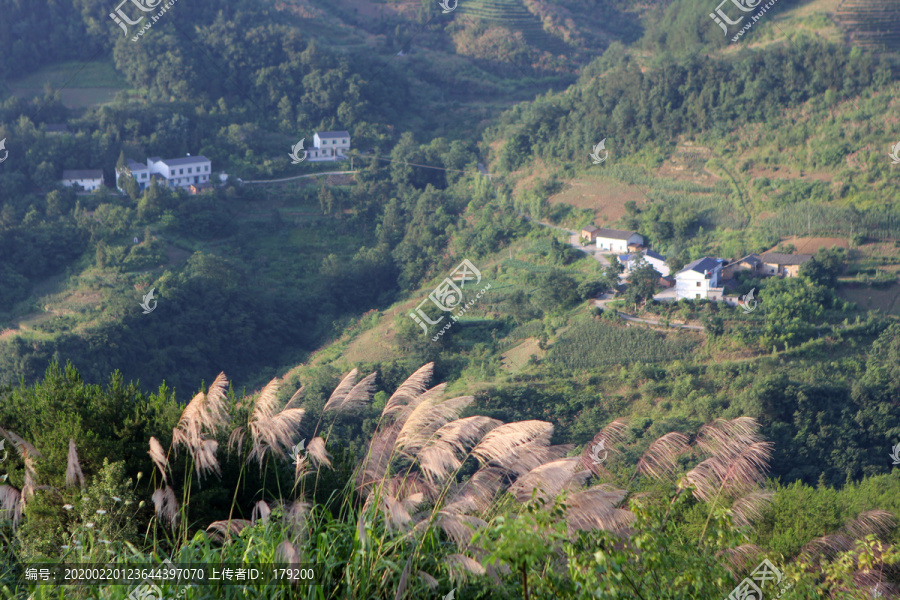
point(699, 279)
point(329, 145)
point(140, 173)
point(173, 172)
point(618, 241)
point(656, 260)
point(89, 180)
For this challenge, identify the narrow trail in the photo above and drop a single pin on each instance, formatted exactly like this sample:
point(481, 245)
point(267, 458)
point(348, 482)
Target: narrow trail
point(298, 177)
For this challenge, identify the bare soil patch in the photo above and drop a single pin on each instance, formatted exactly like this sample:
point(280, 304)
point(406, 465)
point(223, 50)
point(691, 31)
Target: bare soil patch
point(606, 198)
point(517, 357)
point(811, 245)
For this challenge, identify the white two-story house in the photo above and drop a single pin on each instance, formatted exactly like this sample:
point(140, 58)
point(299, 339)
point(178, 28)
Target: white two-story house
point(89, 180)
point(329, 145)
point(699, 279)
point(181, 172)
point(173, 172)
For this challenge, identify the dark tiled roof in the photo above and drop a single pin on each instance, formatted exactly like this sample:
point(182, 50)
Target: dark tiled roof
point(136, 166)
point(614, 234)
point(650, 253)
point(591, 229)
point(653, 254)
point(753, 259)
point(85, 174)
point(701, 265)
point(188, 160)
point(774, 258)
point(326, 135)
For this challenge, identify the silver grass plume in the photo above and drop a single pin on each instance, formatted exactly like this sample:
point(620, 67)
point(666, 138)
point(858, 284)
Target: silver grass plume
point(414, 386)
point(271, 430)
point(158, 456)
point(318, 454)
point(222, 531)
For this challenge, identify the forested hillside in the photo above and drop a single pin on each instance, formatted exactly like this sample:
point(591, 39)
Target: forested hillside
point(298, 395)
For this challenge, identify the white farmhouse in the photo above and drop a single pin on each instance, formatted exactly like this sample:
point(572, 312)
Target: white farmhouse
point(656, 260)
point(140, 173)
point(329, 145)
point(89, 180)
point(173, 172)
point(181, 172)
point(699, 279)
point(618, 241)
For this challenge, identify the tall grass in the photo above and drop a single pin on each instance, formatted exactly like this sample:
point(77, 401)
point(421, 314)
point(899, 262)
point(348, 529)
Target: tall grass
point(439, 501)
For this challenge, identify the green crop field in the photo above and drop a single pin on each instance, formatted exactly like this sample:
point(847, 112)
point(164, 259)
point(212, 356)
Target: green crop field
point(514, 15)
point(598, 344)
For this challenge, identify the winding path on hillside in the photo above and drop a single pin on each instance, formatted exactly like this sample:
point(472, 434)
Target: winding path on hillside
point(297, 177)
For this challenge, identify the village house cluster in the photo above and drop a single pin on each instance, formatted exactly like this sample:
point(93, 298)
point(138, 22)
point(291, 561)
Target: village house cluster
point(705, 278)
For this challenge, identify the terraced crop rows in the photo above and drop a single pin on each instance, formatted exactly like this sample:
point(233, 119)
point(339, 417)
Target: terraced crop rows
point(872, 23)
point(514, 15)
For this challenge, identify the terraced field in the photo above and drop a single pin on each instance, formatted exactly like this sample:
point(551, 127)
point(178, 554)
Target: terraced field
point(871, 23)
point(514, 15)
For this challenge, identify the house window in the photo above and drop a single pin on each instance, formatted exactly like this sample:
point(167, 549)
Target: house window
point(189, 170)
point(698, 285)
point(698, 296)
point(181, 172)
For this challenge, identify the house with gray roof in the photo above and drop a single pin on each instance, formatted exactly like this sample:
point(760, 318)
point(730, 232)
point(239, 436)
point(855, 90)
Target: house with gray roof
point(700, 279)
point(171, 172)
point(618, 241)
point(656, 260)
point(329, 145)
